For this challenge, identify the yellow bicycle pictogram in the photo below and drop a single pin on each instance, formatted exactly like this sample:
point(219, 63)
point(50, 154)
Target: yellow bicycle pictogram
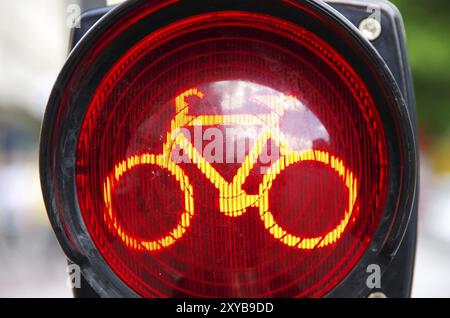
point(233, 200)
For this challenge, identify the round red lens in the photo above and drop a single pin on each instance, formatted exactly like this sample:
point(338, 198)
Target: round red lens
point(232, 155)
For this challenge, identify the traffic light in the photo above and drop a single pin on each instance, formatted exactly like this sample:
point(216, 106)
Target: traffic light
point(230, 148)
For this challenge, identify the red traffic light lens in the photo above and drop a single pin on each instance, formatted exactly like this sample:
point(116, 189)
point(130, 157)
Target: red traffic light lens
point(232, 154)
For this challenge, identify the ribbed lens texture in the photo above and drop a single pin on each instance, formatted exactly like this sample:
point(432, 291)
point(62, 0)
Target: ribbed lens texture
point(231, 155)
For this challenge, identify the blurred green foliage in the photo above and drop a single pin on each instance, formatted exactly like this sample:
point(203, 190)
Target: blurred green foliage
point(427, 24)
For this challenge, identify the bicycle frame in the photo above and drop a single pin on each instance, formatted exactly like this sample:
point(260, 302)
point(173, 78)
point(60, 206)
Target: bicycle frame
point(233, 200)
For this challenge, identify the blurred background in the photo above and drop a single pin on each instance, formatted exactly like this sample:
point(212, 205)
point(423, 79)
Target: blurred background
point(33, 47)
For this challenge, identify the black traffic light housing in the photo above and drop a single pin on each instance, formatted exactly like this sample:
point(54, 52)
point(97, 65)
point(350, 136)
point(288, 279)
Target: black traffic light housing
point(397, 260)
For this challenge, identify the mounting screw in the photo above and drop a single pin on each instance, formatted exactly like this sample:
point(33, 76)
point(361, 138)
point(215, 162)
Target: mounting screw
point(377, 295)
point(370, 28)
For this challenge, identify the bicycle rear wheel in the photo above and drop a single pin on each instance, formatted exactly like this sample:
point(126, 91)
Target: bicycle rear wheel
point(331, 235)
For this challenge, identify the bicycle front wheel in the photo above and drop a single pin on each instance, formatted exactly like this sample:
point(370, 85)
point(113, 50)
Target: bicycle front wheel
point(111, 216)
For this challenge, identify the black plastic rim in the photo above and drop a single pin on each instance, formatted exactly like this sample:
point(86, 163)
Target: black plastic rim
point(58, 144)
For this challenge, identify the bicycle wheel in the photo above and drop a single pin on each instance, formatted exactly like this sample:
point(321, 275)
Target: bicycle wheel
point(296, 240)
point(111, 217)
